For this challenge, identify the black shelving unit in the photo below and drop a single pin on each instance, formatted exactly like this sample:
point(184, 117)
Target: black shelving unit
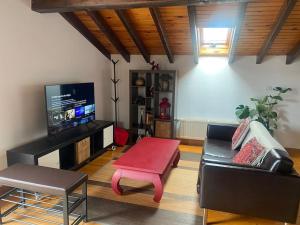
point(146, 98)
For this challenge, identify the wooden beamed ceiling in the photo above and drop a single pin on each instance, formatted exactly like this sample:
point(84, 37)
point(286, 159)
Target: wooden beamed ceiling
point(285, 11)
point(169, 27)
point(237, 32)
point(46, 6)
point(155, 14)
point(194, 33)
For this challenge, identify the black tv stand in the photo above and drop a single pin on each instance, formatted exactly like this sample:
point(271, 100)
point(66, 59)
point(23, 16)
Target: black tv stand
point(65, 141)
point(91, 125)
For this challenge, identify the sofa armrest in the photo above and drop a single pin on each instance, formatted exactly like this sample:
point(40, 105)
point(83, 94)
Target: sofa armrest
point(220, 131)
point(250, 191)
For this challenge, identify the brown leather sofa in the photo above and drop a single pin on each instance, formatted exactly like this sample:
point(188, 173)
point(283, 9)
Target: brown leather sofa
point(271, 191)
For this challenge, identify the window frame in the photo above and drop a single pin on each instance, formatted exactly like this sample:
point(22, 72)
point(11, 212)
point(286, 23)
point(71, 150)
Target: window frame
point(218, 49)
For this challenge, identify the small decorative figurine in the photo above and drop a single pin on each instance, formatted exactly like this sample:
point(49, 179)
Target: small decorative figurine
point(164, 109)
point(154, 66)
point(150, 91)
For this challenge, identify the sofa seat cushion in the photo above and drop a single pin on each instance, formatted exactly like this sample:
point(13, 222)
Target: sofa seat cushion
point(218, 148)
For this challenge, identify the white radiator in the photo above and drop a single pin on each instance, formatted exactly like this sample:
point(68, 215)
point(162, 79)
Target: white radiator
point(191, 129)
point(195, 129)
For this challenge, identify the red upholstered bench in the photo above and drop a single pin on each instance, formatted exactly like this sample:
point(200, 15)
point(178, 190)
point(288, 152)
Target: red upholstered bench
point(148, 160)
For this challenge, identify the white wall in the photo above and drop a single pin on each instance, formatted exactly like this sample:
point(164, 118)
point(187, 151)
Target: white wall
point(212, 89)
point(38, 49)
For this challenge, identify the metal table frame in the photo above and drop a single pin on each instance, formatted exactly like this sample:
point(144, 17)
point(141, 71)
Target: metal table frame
point(69, 200)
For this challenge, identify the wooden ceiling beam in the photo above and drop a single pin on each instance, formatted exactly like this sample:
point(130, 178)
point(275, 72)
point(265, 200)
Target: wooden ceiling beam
point(81, 28)
point(284, 13)
point(48, 6)
point(162, 33)
point(105, 28)
point(236, 32)
point(293, 54)
point(133, 34)
point(193, 27)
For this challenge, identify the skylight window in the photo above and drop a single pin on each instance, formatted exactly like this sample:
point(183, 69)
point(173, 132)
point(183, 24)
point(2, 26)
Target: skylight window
point(214, 41)
point(215, 35)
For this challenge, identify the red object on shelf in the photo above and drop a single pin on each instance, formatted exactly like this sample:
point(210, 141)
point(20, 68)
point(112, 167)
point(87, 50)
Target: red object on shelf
point(121, 136)
point(164, 109)
point(150, 159)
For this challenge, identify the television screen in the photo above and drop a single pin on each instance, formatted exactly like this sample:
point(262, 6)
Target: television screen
point(69, 105)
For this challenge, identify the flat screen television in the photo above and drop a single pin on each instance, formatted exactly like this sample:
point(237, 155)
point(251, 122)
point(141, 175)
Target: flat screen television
point(69, 105)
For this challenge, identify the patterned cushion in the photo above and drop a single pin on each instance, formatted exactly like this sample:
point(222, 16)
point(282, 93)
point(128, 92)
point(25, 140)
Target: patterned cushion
point(240, 133)
point(263, 136)
point(250, 154)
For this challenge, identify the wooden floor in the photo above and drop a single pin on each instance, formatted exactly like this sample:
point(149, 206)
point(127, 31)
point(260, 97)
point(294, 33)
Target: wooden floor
point(214, 217)
point(180, 189)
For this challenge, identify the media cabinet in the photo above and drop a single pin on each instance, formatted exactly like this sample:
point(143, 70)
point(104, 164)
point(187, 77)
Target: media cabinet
point(59, 151)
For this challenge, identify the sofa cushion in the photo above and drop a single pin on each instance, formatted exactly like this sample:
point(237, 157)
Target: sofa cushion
point(240, 133)
point(250, 154)
point(218, 148)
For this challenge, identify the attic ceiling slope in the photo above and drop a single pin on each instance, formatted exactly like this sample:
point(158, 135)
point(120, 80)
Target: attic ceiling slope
point(47, 6)
point(284, 13)
point(170, 30)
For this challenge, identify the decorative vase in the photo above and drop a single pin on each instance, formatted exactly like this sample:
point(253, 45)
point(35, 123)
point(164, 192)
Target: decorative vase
point(140, 82)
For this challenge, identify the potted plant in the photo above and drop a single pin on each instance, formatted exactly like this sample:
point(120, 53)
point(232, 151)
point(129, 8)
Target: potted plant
point(264, 109)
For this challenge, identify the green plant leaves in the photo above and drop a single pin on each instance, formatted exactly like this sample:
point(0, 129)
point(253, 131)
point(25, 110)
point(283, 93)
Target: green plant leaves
point(273, 115)
point(277, 97)
point(254, 99)
point(252, 113)
point(263, 110)
point(277, 89)
point(282, 90)
point(242, 111)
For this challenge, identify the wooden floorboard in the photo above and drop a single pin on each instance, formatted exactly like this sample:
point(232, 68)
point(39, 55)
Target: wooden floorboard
point(180, 194)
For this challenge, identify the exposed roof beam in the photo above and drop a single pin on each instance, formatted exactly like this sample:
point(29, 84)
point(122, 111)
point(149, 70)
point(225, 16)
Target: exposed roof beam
point(133, 34)
point(236, 32)
point(47, 6)
point(284, 13)
point(162, 33)
point(194, 33)
point(104, 27)
point(79, 26)
point(292, 55)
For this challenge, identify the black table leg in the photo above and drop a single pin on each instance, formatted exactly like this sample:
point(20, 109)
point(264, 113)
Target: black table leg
point(84, 204)
point(22, 198)
point(66, 209)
